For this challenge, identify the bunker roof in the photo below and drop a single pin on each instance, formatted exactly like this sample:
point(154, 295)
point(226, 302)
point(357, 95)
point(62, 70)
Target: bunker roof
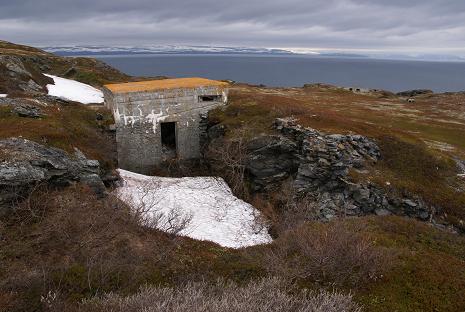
point(162, 84)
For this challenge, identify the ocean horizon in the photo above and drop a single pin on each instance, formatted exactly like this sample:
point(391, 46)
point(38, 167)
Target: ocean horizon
point(297, 70)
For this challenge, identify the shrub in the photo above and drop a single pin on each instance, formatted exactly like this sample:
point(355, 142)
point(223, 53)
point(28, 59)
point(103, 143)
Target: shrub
point(68, 245)
point(264, 295)
point(228, 158)
point(334, 253)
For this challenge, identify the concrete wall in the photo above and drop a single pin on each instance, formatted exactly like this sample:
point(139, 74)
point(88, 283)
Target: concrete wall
point(138, 116)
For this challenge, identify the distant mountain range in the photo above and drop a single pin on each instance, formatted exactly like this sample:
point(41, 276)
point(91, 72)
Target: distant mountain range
point(174, 49)
point(170, 49)
point(95, 50)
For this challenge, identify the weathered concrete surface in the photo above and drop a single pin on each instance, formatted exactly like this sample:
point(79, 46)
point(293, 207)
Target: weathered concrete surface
point(138, 116)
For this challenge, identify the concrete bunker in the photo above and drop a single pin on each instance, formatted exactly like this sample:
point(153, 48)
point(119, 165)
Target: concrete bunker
point(159, 120)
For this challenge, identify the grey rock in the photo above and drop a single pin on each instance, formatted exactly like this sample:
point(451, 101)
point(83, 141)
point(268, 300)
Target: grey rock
point(31, 85)
point(410, 203)
point(26, 110)
point(270, 160)
point(95, 183)
point(361, 195)
point(382, 212)
point(14, 65)
point(460, 165)
point(25, 163)
point(216, 131)
point(424, 215)
point(19, 75)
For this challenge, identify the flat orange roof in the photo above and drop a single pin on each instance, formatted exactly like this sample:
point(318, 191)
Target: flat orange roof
point(152, 85)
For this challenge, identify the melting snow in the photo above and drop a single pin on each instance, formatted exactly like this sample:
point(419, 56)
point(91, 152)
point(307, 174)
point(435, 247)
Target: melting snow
point(217, 215)
point(74, 90)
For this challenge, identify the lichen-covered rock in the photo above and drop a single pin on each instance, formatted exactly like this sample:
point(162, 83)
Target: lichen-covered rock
point(24, 163)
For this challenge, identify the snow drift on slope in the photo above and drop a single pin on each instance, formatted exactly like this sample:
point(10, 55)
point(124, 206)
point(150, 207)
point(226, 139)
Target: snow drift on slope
point(216, 214)
point(74, 90)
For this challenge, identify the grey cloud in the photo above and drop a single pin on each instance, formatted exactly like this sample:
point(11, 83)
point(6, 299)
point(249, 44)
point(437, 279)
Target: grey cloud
point(415, 25)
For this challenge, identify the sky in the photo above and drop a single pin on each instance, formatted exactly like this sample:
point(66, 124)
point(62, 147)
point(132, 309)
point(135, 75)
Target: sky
point(388, 26)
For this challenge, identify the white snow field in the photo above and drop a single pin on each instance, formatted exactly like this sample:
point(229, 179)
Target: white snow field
point(215, 213)
point(74, 91)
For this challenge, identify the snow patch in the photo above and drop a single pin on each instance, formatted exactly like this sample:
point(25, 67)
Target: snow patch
point(74, 91)
point(3, 95)
point(217, 215)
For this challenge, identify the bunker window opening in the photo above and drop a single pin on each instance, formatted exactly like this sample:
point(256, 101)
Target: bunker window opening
point(210, 98)
point(168, 135)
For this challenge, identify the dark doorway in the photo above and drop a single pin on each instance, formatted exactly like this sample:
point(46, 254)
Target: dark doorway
point(168, 135)
point(210, 98)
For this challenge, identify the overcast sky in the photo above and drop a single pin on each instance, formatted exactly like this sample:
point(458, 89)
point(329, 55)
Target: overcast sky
point(424, 26)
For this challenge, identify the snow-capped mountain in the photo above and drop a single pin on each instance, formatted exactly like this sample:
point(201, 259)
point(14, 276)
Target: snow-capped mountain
point(95, 50)
point(170, 49)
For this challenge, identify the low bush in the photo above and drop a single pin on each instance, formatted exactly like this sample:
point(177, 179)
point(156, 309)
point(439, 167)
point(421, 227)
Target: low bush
point(327, 254)
point(269, 294)
point(68, 244)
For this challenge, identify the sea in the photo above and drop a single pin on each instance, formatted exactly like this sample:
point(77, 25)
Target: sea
point(297, 70)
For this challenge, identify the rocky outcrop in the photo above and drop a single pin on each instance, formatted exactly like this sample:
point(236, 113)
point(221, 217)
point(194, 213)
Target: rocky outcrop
point(26, 110)
point(412, 93)
point(318, 165)
point(17, 75)
point(270, 160)
point(23, 107)
point(24, 164)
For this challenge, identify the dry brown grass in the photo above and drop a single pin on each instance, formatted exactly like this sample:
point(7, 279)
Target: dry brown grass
point(71, 243)
point(327, 255)
point(269, 294)
point(410, 166)
point(65, 127)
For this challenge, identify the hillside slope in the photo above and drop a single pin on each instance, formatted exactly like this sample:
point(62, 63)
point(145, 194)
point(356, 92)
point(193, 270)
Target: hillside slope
point(421, 143)
point(86, 70)
point(64, 244)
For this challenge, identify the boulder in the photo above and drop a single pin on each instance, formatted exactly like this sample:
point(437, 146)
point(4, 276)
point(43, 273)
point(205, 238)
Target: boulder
point(24, 164)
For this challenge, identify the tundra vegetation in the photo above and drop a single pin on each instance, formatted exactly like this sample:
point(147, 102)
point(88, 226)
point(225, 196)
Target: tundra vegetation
point(66, 249)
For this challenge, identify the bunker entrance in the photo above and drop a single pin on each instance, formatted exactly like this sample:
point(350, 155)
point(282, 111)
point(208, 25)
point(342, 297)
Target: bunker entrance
point(168, 135)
